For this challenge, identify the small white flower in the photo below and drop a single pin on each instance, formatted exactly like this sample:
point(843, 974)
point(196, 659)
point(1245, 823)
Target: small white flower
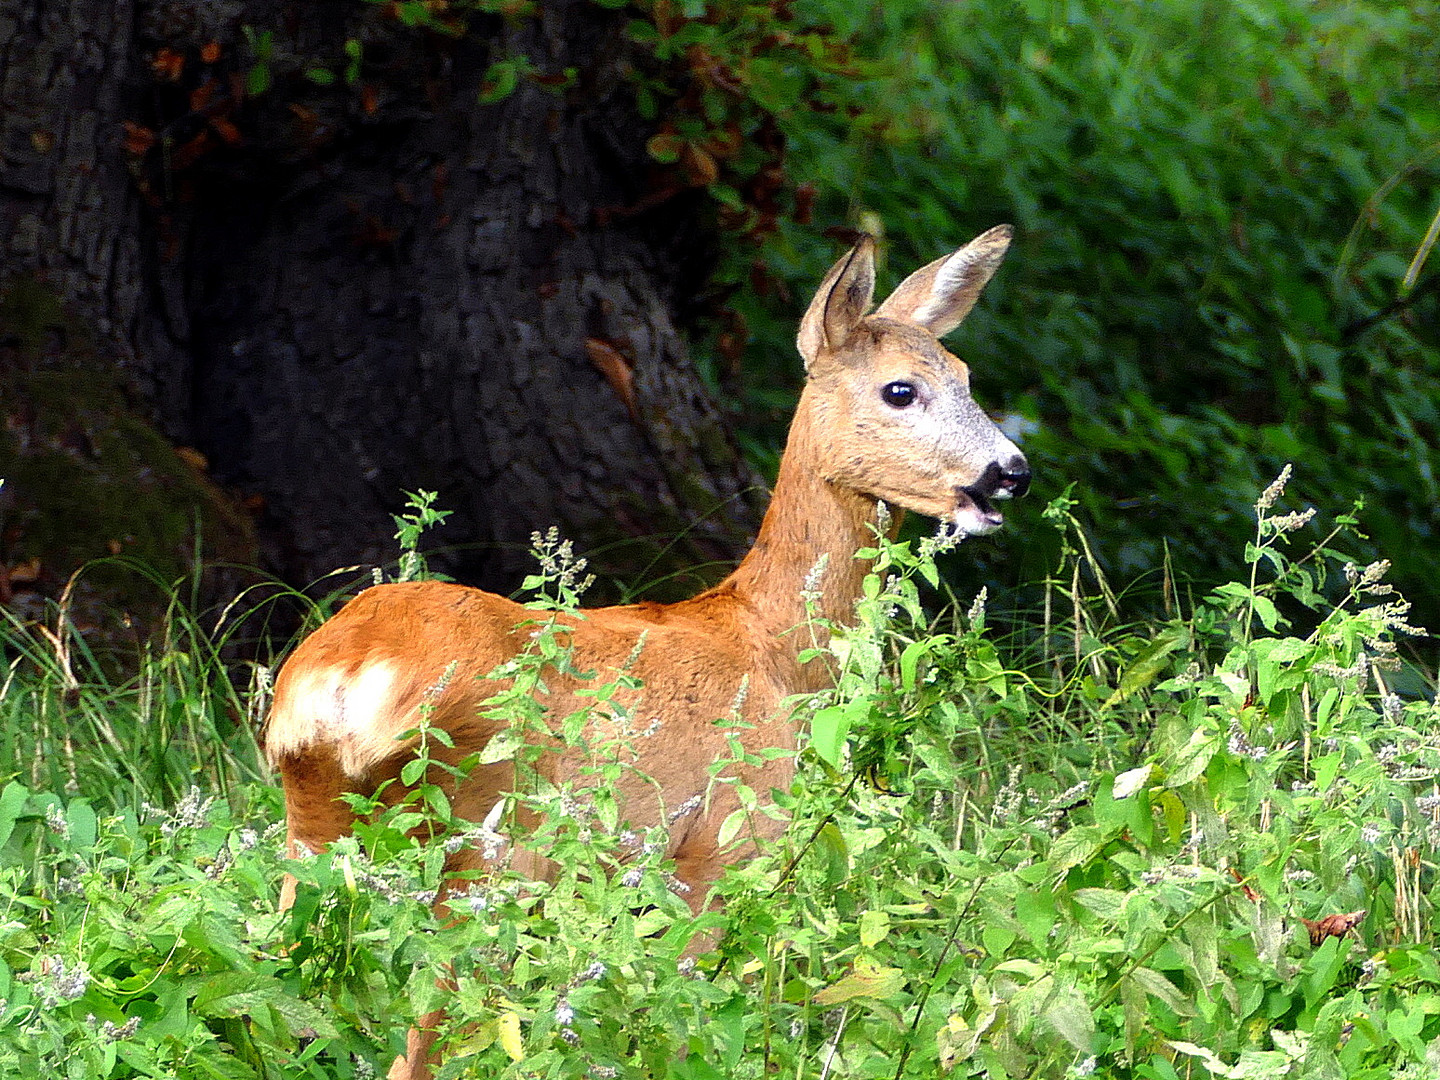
point(977, 609)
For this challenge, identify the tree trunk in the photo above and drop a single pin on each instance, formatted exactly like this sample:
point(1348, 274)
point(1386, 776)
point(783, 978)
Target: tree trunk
point(339, 292)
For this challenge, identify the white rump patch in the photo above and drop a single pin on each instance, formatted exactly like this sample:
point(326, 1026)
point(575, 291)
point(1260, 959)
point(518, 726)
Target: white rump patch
point(354, 714)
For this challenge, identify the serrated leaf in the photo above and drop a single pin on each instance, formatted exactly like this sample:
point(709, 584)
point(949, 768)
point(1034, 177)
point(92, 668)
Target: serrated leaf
point(1268, 613)
point(1145, 667)
point(1282, 650)
point(480, 1037)
point(1193, 759)
point(910, 659)
point(80, 816)
point(1208, 1060)
point(830, 729)
point(238, 993)
point(12, 804)
point(1107, 903)
point(1029, 968)
point(1074, 847)
point(503, 746)
point(1067, 1014)
point(730, 828)
point(1157, 985)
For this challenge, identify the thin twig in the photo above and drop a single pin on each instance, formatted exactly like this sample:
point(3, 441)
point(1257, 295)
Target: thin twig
point(1355, 328)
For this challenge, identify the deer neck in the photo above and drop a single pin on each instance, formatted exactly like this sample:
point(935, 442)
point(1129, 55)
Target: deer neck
point(809, 519)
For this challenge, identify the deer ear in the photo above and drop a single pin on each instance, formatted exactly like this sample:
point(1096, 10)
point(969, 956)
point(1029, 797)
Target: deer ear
point(939, 295)
point(840, 303)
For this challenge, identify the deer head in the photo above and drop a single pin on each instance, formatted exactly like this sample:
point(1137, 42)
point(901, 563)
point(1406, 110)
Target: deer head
point(894, 404)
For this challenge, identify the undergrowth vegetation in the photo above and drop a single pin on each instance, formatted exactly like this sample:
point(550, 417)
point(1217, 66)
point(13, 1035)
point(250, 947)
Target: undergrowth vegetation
point(1198, 846)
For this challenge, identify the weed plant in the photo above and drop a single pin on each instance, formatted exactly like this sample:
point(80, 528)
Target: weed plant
point(1202, 846)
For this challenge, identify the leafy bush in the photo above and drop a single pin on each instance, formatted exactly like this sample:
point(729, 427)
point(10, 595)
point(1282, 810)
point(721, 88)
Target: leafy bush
point(1090, 848)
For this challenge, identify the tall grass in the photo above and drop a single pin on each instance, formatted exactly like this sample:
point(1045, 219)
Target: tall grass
point(137, 721)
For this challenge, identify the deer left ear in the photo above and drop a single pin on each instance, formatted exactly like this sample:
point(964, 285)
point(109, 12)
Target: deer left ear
point(940, 295)
point(840, 303)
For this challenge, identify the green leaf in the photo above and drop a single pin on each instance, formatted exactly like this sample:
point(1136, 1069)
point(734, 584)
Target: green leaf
point(1208, 1060)
point(503, 746)
point(1131, 781)
point(235, 993)
point(1145, 667)
point(12, 805)
point(1075, 847)
point(81, 817)
point(868, 979)
point(257, 80)
point(874, 925)
point(1158, 986)
point(1268, 614)
point(1107, 903)
point(500, 81)
point(1193, 759)
point(1068, 1015)
point(830, 729)
point(1324, 967)
point(730, 828)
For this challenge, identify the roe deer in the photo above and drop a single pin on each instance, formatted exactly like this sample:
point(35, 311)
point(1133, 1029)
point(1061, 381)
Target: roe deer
point(886, 414)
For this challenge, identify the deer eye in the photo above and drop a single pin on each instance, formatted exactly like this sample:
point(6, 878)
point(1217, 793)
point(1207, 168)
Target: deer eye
point(899, 394)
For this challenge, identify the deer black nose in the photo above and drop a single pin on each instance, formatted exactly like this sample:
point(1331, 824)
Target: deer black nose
point(1014, 477)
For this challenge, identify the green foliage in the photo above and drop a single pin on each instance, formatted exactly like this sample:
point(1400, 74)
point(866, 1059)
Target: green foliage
point(1215, 209)
point(1088, 848)
point(173, 718)
point(410, 527)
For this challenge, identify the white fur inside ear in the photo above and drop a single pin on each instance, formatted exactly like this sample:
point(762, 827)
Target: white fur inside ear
point(949, 280)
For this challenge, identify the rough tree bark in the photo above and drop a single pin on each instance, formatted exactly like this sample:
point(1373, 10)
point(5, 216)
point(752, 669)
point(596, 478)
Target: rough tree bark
point(339, 292)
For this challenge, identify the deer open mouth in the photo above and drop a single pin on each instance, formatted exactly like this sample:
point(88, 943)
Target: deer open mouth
point(974, 514)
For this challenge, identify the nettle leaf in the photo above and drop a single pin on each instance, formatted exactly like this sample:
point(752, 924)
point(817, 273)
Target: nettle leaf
point(12, 805)
point(1131, 781)
point(730, 828)
point(1075, 847)
point(1194, 758)
point(1147, 664)
point(1208, 1060)
point(81, 817)
point(503, 746)
point(1107, 903)
point(1068, 1015)
point(830, 728)
point(1267, 612)
point(1157, 985)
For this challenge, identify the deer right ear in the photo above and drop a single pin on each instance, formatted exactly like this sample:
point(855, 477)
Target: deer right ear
point(939, 295)
point(840, 303)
